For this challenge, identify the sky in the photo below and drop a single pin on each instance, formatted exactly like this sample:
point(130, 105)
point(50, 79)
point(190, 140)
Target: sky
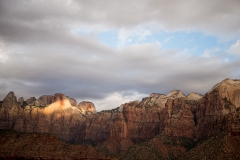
point(111, 52)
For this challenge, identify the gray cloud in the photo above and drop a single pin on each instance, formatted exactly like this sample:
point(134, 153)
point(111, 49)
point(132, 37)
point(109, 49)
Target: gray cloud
point(216, 17)
point(43, 54)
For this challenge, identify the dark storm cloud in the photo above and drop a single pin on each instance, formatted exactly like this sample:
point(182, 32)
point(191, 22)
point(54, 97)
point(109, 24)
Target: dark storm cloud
point(44, 52)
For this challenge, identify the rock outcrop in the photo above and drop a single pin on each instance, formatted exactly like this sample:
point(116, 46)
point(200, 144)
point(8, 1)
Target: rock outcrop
point(73, 102)
point(179, 118)
point(30, 101)
point(194, 96)
point(87, 107)
point(176, 94)
point(215, 106)
point(58, 116)
point(44, 100)
point(21, 101)
point(10, 112)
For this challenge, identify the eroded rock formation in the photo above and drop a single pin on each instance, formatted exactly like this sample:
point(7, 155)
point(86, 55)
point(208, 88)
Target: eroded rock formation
point(215, 106)
point(175, 115)
point(87, 107)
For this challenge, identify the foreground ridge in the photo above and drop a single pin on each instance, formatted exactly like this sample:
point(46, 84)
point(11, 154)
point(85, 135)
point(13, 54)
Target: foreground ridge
point(18, 145)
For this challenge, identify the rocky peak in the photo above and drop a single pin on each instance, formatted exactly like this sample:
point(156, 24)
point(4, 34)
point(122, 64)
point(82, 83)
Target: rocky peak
point(10, 99)
point(21, 101)
point(44, 100)
point(226, 82)
point(229, 91)
point(156, 94)
point(176, 94)
point(86, 106)
point(59, 97)
point(222, 100)
point(129, 104)
point(73, 102)
point(194, 96)
point(30, 101)
point(11, 95)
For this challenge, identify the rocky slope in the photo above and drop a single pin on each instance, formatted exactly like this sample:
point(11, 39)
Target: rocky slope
point(160, 147)
point(16, 145)
point(174, 115)
point(220, 146)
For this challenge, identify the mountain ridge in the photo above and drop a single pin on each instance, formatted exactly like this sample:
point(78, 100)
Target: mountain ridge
point(193, 117)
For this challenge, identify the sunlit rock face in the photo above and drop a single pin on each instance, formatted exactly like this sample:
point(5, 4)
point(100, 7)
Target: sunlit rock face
point(87, 107)
point(175, 94)
point(194, 96)
point(54, 114)
point(73, 102)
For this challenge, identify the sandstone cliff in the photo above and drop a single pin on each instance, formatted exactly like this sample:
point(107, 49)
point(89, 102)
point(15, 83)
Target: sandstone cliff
point(174, 115)
point(179, 118)
point(48, 114)
point(215, 106)
point(87, 107)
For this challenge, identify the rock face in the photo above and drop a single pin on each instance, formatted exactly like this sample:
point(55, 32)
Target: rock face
point(31, 101)
point(73, 102)
point(179, 118)
point(194, 96)
point(87, 107)
point(10, 112)
point(21, 101)
point(175, 115)
point(44, 100)
point(59, 117)
point(215, 106)
point(176, 94)
point(147, 118)
point(142, 121)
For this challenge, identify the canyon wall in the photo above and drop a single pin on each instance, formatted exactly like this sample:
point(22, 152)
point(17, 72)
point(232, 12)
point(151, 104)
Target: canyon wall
point(193, 116)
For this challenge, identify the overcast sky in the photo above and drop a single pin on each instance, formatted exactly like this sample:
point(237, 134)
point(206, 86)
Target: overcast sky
point(114, 51)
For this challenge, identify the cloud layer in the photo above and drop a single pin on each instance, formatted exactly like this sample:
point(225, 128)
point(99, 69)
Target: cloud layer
point(52, 46)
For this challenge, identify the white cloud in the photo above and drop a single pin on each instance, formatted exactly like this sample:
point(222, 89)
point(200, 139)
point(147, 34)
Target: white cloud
point(210, 52)
point(136, 35)
point(235, 48)
point(3, 53)
point(115, 99)
point(3, 58)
